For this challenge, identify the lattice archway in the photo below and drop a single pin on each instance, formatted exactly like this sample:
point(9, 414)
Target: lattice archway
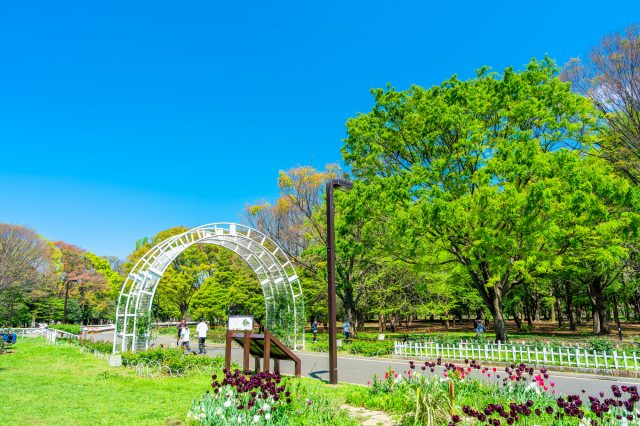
point(278, 279)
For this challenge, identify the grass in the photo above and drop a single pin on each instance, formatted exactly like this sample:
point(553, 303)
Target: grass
point(59, 385)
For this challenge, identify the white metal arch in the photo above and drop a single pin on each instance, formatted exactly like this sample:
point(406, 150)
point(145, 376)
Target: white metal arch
point(278, 279)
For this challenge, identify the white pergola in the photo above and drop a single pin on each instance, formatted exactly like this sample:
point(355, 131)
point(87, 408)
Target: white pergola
point(274, 270)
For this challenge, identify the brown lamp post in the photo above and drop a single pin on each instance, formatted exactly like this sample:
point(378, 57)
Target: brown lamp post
point(331, 275)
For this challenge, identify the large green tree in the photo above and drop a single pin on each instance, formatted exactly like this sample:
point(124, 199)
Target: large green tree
point(469, 166)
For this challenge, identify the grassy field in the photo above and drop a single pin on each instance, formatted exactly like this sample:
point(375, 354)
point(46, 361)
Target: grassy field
point(43, 384)
point(59, 385)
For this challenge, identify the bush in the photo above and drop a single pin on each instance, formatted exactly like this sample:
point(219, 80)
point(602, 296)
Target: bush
point(171, 361)
point(103, 347)
point(69, 328)
point(599, 344)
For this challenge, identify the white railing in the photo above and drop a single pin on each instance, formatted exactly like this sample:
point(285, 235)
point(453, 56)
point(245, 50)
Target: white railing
point(562, 356)
point(25, 332)
point(63, 334)
point(49, 333)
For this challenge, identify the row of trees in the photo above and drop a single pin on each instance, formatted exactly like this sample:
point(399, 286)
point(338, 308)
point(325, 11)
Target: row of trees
point(515, 194)
point(44, 281)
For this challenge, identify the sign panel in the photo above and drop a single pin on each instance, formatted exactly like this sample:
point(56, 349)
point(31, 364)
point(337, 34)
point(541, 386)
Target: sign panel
point(241, 322)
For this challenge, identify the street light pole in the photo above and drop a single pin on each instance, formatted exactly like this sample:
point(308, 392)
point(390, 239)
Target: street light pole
point(331, 276)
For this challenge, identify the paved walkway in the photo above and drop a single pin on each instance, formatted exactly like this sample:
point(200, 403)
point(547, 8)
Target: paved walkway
point(359, 370)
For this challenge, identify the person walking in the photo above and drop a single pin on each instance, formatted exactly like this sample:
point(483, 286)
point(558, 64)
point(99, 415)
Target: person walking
point(314, 330)
point(202, 328)
point(179, 333)
point(184, 336)
point(479, 329)
point(346, 329)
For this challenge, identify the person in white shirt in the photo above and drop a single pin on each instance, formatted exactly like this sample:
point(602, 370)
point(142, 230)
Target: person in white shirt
point(202, 328)
point(184, 336)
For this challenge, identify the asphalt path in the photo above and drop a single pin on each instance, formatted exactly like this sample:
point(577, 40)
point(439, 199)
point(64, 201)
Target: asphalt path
point(360, 370)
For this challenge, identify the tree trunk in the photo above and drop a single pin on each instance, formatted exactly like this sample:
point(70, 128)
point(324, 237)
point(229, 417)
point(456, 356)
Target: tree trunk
point(616, 315)
point(66, 297)
point(382, 323)
point(578, 317)
point(596, 320)
point(516, 318)
point(347, 303)
point(570, 315)
point(596, 293)
point(498, 317)
point(552, 312)
point(559, 312)
point(526, 311)
point(568, 294)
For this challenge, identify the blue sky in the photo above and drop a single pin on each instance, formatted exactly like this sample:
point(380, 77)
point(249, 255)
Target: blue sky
point(120, 119)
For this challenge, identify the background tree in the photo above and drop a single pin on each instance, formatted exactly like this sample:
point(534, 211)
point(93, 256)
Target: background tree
point(298, 221)
point(611, 79)
point(80, 280)
point(26, 265)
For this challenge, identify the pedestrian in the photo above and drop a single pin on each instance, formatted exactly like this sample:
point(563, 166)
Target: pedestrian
point(479, 329)
point(346, 329)
point(314, 330)
point(393, 324)
point(179, 333)
point(184, 336)
point(202, 328)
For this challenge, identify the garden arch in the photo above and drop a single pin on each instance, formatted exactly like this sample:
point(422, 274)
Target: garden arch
point(278, 279)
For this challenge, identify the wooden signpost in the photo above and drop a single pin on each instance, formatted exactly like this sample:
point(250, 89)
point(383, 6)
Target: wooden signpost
point(265, 346)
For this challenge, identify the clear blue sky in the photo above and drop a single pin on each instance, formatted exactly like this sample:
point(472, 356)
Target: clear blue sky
point(120, 119)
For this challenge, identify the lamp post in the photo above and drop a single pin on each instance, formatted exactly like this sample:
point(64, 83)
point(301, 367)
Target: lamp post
point(331, 275)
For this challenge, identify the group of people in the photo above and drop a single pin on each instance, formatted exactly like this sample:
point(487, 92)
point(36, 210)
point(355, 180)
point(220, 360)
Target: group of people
point(346, 329)
point(184, 336)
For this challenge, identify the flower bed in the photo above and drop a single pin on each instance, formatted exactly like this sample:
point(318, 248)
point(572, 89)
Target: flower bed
point(435, 393)
point(263, 399)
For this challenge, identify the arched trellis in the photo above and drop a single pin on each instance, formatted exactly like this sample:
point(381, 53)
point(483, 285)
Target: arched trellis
point(280, 284)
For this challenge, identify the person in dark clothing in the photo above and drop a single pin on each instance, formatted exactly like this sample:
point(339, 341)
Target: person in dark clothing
point(179, 333)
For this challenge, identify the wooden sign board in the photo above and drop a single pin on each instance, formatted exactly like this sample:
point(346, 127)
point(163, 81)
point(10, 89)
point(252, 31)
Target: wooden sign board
point(240, 322)
point(265, 346)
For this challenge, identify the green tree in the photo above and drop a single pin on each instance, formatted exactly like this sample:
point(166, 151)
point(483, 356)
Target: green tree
point(232, 289)
point(467, 164)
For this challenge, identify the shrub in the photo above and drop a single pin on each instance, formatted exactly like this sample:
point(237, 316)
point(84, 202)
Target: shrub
point(103, 347)
point(171, 361)
point(69, 328)
point(599, 344)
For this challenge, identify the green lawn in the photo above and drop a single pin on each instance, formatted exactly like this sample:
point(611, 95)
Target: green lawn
point(58, 385)
point(43, 384)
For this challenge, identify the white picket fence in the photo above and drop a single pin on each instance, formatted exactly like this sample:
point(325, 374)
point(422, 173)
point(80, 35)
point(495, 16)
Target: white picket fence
point(562, 356)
